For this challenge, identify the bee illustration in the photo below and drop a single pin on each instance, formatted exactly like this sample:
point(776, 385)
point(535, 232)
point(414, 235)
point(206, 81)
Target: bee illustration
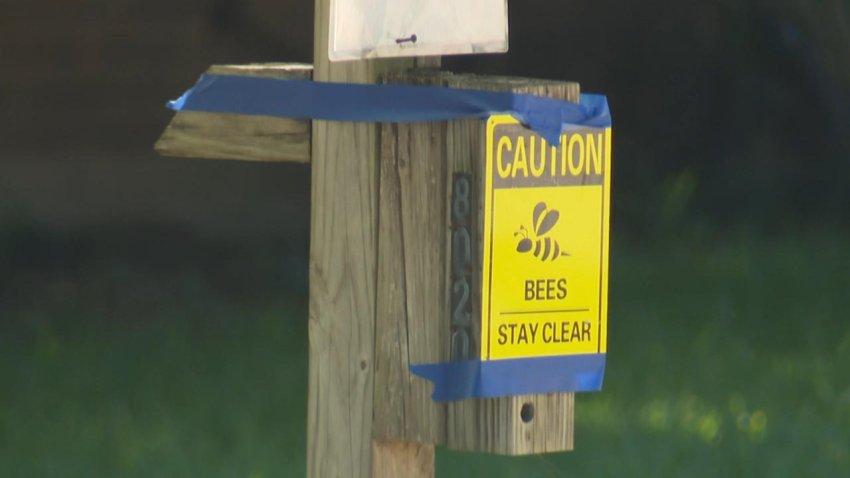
point(544, 247)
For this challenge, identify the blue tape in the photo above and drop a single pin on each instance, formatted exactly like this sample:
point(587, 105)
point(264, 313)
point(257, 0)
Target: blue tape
point(386, 103)
point(402, 103)
point(500, 378)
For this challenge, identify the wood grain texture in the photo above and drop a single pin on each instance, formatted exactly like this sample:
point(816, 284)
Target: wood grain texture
point(242, 137)
point(411, 290)
point(395, 459)
point(411, 324)
point(343, 263)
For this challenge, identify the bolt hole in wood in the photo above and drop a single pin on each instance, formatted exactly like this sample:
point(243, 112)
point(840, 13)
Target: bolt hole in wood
point(526, 413)
point(362, 365)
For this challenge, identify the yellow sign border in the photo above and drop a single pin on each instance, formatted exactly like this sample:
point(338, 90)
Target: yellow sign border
point(504, 119)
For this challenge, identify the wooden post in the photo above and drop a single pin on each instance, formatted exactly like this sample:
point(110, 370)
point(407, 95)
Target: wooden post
point(418, 163)
point(497, 425)
point(343, 282)
point(379, 273)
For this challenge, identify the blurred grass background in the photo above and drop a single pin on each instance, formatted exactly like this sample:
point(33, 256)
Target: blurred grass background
point(153, 311)
point(726, 359)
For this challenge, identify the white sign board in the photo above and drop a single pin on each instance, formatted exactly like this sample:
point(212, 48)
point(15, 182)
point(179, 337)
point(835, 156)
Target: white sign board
point(362, 29)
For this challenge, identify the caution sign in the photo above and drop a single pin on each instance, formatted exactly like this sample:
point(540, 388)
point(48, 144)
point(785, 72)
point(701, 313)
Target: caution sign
point(545, 268)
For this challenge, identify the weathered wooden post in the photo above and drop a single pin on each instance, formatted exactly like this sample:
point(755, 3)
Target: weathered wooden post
point(343, 280)
point(408, 232)
point(421, 167)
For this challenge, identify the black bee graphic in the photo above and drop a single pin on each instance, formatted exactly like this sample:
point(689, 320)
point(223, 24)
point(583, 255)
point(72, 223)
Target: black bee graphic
point(545, 248)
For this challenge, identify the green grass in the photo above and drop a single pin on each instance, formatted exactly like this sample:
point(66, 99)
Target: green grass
point(724, 360)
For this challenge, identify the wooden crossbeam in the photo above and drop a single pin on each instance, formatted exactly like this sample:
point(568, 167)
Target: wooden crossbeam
point(194, 134)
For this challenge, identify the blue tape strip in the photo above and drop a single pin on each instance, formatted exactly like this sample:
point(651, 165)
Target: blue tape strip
point(386, 103)
point(402, 103)
point(500, 378)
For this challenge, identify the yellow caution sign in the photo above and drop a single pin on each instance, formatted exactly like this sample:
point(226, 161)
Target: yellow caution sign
point(546, 219)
